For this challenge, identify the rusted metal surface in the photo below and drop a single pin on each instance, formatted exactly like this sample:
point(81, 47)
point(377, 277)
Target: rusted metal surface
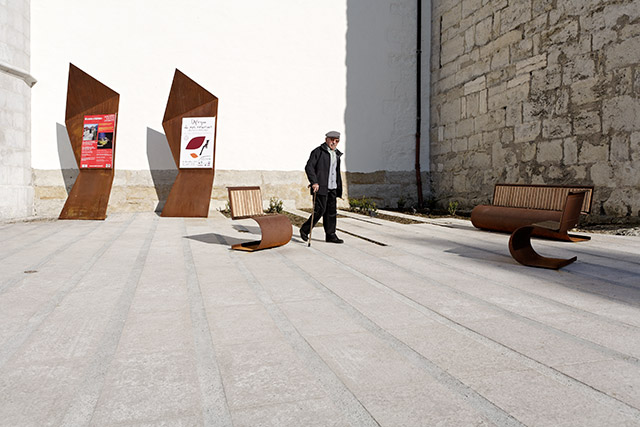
point(526, 205)
point(276, 229)
point(520, 240)
point(89, 196)
point(522, 251)
point(190, 194)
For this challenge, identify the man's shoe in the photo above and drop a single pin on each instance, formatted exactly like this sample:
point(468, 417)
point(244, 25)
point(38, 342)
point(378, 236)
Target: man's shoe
point(333, 239)
point(304, 236)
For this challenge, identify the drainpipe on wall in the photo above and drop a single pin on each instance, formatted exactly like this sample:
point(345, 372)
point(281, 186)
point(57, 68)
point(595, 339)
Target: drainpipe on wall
point(418, 101)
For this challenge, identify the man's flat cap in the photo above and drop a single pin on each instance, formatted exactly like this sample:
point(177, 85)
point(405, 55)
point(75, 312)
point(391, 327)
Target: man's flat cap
point(333, 134)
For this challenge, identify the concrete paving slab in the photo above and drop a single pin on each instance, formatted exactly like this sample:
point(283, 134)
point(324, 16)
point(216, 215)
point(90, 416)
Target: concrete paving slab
point(319, 317)
point(438, 406)
point(365, 362)
point(265, 373)
point(242, 324)
point(535, 399)
point(148, 387)
point(613, 376)
point(143, 320)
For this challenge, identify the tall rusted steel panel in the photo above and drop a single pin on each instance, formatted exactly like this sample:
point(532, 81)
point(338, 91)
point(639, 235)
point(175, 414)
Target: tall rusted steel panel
point(190, 194)
point(86, 96)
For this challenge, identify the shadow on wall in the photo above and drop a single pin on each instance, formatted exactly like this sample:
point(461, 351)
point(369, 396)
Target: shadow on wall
point(68, 165)
point(161, 164)
point(363, 92)
point(380, 112)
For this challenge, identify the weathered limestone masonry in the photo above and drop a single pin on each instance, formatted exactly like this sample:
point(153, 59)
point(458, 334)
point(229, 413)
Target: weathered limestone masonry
point(16, 190)
point(536, 91)
point(147, 191)
point(387, 188)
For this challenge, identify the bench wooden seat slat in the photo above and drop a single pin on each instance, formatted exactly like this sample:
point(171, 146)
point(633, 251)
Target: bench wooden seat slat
point(246, 202)
point(538, 196)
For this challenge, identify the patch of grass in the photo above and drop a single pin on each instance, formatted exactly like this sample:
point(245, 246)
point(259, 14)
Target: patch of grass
point(363, 205)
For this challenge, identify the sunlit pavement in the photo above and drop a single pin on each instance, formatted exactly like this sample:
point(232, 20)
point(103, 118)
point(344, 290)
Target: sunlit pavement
point(143, 320)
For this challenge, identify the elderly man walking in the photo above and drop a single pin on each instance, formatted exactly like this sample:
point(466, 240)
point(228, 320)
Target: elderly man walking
point(323, 172)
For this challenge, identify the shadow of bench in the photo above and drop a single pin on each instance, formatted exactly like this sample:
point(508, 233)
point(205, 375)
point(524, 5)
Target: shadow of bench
point(276, 229)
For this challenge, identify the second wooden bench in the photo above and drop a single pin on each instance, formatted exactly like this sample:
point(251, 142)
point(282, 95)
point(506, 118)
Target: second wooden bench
point(517, 205)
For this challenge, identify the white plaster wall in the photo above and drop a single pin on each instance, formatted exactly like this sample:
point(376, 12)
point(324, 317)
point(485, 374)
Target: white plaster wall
point(278, 69)
point(16, 191)
point(381, 85)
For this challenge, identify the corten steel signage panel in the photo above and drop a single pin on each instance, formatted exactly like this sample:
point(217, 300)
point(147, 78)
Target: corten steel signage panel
point(190, 194)
point(86, 96)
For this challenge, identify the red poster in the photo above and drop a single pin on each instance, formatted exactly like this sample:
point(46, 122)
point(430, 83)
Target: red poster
point(97, 141)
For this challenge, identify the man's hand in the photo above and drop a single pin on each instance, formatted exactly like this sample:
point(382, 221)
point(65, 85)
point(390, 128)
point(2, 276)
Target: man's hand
point(315, 187)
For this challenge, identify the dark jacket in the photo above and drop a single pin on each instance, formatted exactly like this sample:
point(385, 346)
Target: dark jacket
point(317, 169)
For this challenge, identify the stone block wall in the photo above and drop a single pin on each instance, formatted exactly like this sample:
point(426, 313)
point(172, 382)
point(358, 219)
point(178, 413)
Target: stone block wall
point(387, 188)
point(147, 191)
point(536, 92)
point(16, 191)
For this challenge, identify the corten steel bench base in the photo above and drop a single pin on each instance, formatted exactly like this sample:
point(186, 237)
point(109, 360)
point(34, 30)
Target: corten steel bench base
point(516, 205)
point(522, 251)
point(276, 229)
point(520, 240)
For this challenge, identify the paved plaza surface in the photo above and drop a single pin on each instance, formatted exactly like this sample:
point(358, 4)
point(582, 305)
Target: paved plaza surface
point(143, 320)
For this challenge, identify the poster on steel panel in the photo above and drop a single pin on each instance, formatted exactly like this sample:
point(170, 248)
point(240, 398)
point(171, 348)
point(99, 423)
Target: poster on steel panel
point(196, 142)
point(97, 141)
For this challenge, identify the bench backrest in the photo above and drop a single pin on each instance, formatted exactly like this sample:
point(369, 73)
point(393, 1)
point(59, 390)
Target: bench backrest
point(546, 197)
point(571, 211)
point(245, 202)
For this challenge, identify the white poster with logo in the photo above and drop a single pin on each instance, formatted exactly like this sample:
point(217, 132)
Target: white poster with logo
point(196, 142)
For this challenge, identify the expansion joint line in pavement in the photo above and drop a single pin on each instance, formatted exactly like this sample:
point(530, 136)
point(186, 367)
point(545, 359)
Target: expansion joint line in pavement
point(493, 412)
point(467, 271)
point(81, 409)
point(580, 249)
point(24, 240)
point(16, 341)
point(19, 277)
point(503, 284)
point(548, 371)
point(573, 271)
point(215, 410)
point(540, 274)
point(352, 409)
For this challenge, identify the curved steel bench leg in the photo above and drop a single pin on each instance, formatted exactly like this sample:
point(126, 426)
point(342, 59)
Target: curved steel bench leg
point(276, 231)
point(521, 251)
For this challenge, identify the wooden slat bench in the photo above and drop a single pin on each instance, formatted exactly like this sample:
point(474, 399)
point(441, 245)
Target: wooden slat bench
point(517, 205)
point(246, 202)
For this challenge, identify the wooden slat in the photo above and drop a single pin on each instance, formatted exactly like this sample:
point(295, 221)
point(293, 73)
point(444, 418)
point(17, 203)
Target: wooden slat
point(547, 197)
point(245, 202)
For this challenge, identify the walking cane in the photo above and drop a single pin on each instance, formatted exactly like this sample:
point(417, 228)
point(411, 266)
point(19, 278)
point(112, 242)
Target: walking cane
point(312, 212)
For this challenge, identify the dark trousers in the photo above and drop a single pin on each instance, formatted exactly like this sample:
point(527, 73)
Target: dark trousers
point(324, 208)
